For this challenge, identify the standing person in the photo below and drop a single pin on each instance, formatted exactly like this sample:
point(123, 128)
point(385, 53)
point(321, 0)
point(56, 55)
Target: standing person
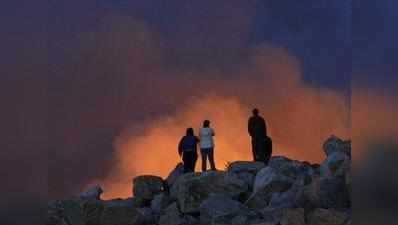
point(187, 148)
point(206, 134)
point(261, 143)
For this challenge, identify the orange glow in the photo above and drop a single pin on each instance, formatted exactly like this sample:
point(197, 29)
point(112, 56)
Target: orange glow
point(299, 117)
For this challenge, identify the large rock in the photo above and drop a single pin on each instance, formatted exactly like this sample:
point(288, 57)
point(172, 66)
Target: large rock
point(267, 182)
point(122, 212)
point(93, 193)
point(334, 193)
point(65, 212)
point(326, 217)
point(97, 212)
point(287, 199)
point(245, 167)
point(334, 144)
point(159, 202)
point(146, 187)
point(308, 197)
point(290, 168)
point(191, 189)
point(336, 164)
point(245, 171)
point(293, 217)
point(172, 216)
point(174, 174)
point(218, 207)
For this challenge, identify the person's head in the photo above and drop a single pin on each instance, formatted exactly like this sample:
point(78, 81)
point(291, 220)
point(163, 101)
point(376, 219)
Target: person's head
point(255, 112)
point(190, 131)
point(206, 123)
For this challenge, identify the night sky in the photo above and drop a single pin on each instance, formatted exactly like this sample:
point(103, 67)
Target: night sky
point(92, 73)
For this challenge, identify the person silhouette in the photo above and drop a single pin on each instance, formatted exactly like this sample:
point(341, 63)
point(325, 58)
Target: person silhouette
point(206, 143)
point(187, 149)
point(261, 143)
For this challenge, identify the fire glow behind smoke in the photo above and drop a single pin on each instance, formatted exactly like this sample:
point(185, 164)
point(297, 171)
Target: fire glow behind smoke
point(299, 117)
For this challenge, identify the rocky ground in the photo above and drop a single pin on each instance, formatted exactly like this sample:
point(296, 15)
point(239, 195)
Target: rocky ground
point(286, 192)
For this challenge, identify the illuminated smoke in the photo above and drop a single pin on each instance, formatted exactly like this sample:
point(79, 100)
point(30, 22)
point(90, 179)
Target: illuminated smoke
point(300, 117)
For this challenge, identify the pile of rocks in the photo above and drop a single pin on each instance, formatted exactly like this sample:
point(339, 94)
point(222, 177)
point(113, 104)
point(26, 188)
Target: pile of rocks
point(286, 192)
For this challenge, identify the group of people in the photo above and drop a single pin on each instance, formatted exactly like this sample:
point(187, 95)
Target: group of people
point(187, 147)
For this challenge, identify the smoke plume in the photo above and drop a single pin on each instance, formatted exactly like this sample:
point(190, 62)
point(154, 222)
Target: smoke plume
point(299, 116)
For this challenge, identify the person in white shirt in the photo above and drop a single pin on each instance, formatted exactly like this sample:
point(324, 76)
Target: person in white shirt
point(206, 144)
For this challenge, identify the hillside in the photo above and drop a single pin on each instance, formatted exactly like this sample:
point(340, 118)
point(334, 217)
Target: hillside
point(286, 192)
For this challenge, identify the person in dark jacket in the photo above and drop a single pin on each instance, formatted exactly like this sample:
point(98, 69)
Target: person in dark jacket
point(261, 143)
point(187, 148)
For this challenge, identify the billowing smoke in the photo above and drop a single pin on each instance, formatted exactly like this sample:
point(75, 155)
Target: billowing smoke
point(299, 116)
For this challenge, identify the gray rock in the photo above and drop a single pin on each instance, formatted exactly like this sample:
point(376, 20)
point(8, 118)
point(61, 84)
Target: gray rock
point(93, 193)
point(117, 212)
point(334, 193)
point(308, 197)
point(174, 174)
point(159, 202)
point(337, 164)
point(245, 171)
point(267, 182)
point(291, 168)
point(172, 216)
point(293, 217)
point(334, 144)
point(245, 166)
point(192, 189)
point(272, 215)
point(326, 217)
point(288, 199)
point(65, 212)
point(217, 206)
point(146, 187)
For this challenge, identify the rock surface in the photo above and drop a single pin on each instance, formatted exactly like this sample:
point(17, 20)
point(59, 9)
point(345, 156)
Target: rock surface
point(286, 192)
point(146, 187)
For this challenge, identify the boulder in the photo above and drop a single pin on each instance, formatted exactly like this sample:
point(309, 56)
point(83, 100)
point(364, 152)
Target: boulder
point(334, 144)
point(334, 193)
point(92, 211)
point(326, 217)
point(192, 189)
point(267, 182)
point(308, 197)
point(172, 216)
point(271, 215)
point(174, 174)
point(159, 202)
point(293, 217)
point(117, 212)
point(93, 193)
point(146, 187)
point(285, 199)
point(245, 171)
point(245, 166)
point(217, 206)
point(290, 168)
point(337, 164)
point(64, 212)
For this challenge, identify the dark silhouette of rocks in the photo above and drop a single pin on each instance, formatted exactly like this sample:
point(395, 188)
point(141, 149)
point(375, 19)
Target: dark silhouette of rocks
point(286, 192)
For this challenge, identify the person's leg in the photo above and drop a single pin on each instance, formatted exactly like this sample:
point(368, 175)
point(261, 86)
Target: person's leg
point(194, 159)
point(189, 162)
point(261, 150)
point(204, 159)
point(211, 159)
point(185, 160)
point(254, 149)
